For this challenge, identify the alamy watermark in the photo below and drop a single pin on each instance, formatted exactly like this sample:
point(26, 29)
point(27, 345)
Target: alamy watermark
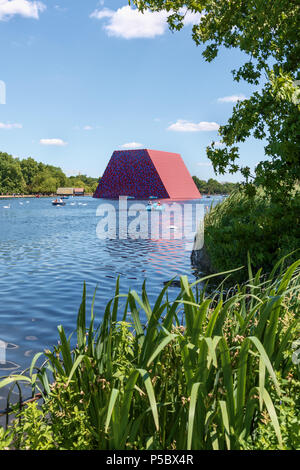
point(4, 363)
point(2, 92)
point(155, 221)
point(3, 347)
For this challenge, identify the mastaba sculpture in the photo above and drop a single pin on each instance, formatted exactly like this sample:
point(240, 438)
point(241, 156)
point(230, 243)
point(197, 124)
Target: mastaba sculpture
point(146, 173)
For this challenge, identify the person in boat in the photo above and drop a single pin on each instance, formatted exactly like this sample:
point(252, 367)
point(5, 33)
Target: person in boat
point(159, 204)
point(149, 203)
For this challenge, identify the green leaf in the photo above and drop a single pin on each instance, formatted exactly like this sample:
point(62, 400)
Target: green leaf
point(81, 322)
point(273, 416)
point(242, 377)
point(14, 378)
point(65, 350)
point(160, 348)
point(192, 410)
point(75, 366)
point(150, 391)
point(225, 420)
point(266, 361)
point(113, 397)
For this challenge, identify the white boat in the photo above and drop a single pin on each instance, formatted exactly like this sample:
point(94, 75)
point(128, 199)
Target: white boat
point(58, 202)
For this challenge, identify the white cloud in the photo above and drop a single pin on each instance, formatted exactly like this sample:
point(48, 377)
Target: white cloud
point(204, 164)
point(190, 18)
point(86, 128)
point(9, 126)
point(129, 23)
point(232, 99)
point(70, 172)
point(54, 142)
point(25, 8)
point(132, 145)
point(59, 8)
point(105, 13)
point(186, 126)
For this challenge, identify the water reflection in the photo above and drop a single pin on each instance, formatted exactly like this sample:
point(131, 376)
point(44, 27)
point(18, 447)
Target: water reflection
point(47, 253)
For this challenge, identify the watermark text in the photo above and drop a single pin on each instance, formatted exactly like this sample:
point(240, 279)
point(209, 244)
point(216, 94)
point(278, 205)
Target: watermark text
point(2, 92)
point(154, 221)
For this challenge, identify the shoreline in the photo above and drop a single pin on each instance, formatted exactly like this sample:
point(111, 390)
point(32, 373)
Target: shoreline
point(34, 196)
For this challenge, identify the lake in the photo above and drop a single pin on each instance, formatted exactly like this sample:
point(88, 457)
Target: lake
point(46, 254)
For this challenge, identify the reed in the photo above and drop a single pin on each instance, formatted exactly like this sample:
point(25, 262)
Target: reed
point(198, 375)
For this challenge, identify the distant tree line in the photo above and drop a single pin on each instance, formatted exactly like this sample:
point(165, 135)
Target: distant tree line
point(214, 187)
point(28, 176)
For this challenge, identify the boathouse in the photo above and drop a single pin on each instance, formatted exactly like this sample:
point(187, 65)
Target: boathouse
point(78, 191)
point(70, 192)
point(65, 192)
point(143, 174)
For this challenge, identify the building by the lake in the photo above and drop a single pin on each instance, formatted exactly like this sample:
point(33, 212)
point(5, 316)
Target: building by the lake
point(70, 192)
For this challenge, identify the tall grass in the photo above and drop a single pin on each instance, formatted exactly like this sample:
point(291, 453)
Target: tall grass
point(198, 375)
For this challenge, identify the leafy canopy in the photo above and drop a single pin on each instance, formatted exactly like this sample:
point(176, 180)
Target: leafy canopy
point(28, 176)
point(214, 187)
point(267, 31)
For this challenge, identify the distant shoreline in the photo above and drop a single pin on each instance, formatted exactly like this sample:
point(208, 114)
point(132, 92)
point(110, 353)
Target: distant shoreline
point(34, 196)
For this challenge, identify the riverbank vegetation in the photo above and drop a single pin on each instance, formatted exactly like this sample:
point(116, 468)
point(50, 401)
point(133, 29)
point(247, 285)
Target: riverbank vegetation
point(210, 370)
point(28, 176)
point(212, 186)
point(266, 228)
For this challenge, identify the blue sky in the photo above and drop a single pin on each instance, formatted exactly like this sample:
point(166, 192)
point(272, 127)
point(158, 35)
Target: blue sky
point(84, 78)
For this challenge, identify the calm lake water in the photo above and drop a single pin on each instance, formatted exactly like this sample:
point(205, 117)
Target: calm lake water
point(46, 253)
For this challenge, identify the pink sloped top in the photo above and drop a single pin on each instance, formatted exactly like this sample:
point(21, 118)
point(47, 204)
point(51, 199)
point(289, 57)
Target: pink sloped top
point(174, 175)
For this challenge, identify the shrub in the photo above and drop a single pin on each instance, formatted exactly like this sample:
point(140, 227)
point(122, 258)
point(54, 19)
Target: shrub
point(5, 439)
point(242, 224)
point(288, 410)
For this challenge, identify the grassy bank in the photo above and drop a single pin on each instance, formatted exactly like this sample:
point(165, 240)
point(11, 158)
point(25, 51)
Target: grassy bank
point(268, 230)
point(210, 370)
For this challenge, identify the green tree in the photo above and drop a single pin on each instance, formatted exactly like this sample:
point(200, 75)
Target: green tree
point(45, 183)
point(214, 187)
point(82, 181)
point(58, 174)
point(29, 176)
point(30, 168)
point(77, 182)
point(267, 32)
point(201, 184)
point(11, 178)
